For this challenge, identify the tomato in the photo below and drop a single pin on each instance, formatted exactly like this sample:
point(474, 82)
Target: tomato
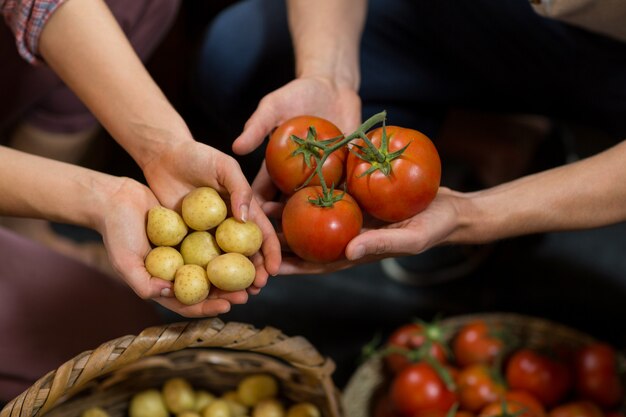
point(411, 182)
point(383, 407)
point(506, 409)
point(576, 409)
point(320, 234)
point(596, 375)
point(418, 388)
point(411, 337)
point(476, 343)
point(478, 386)
point(526, 399)
point(547, 379)
point(286, 160)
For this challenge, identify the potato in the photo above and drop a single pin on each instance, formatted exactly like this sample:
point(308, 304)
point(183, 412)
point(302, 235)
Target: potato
point(303, 410)
point(218, 408)
point(191, 284)
point(148, 403)
point(163, 262)
point(188, 414)
point(236, 408)
point(255, 388)
point(199, 248)
point(203, 398)
point(94, 412)
point(269, 407)
point(203, 208)
point(235, 236)
point(165, 227)
point(178, 395)
point(231, 272)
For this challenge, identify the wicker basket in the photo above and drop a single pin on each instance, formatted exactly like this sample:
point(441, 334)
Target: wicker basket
point(368, 380)
point(209, 353)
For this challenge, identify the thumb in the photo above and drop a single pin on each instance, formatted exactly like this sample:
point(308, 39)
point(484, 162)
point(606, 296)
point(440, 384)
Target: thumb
point(385, 242)
point(256, 129)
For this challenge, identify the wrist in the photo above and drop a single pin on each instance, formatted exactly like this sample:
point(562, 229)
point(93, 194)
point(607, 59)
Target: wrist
point(475, 223)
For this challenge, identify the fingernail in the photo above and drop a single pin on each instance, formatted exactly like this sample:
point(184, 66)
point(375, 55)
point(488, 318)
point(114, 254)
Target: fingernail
point(358, 252)
point(244, 212)
point(166, 292)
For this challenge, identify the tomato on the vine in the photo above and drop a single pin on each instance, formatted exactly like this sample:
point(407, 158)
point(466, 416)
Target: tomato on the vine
point(419, 388)
point(409, 338)
point(398, 179)
point(596, 375)
point(476, 342)
point(320, 233)
point(292, 148)
point(478, 385)
point(546, 378)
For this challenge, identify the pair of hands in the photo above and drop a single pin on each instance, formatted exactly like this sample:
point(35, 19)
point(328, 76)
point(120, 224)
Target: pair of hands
point(342, 106)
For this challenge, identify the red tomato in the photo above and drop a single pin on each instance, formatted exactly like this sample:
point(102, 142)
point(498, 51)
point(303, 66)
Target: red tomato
point(540, 375)
point(419, 389)
point(506, 409)
point(286, 160)
point(526, 399)
point(477, 387)
point(596, 375)
point(476, 343)
point(412, 180)
point(576, 409)
point(411, 337)
point(320, 234)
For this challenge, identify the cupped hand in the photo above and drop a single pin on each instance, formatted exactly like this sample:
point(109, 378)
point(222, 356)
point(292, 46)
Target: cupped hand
point(376, 241)
point(123, 230)
point(190, 164)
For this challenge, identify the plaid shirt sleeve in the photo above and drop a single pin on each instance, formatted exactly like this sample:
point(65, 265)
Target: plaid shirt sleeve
point(26, 19)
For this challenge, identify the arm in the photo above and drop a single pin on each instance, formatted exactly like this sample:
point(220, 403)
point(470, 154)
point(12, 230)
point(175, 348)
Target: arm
point(325, 36)
point(582, 195)
point(84, 45)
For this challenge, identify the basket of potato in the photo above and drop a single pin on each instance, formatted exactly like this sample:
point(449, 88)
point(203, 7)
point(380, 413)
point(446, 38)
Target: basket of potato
point(200, 368)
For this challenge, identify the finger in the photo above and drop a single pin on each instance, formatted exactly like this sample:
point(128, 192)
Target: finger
point(253, 290)
point(258, 126)
point(273, 209)
point(297, 266)
point(271, 245)
point(384, 242)
point(206, 308)
point(235, 182)
point(261, 276)
point(233, 297)
point(263, 187)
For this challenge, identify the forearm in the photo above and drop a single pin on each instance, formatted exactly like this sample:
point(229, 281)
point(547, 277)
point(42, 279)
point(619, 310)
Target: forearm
point(85, 46)
point(37, 187)
point(326, 36)
point(586, 194)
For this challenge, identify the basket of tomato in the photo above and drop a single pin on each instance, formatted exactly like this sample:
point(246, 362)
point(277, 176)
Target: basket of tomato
point(202, 368)
point(488, 365)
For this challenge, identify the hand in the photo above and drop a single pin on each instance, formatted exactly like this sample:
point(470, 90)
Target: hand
point(189, 164)
point(315, 96)
point(377, 241)
point(123, 229)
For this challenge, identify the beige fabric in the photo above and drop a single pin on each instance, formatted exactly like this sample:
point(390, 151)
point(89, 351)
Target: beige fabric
point(607, 17)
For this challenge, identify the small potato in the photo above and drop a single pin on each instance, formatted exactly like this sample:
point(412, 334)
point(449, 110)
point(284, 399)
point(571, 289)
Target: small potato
point(178, 395)
point(254, 388)
point(199, 248)
point(191, 284)
point(303, 410)
point(269, 407)
point(188, 414)
point(231, 272)
point(218, 408)
point(94, 412)
point(148, 403)
point(163, 262)
point(236, 408)
point(165, 227)
point(203, 208)
point(203, 398)
point(235, 236)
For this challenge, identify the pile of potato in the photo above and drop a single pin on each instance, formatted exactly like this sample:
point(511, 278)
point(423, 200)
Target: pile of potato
point(255, 396)
point(201, 246)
